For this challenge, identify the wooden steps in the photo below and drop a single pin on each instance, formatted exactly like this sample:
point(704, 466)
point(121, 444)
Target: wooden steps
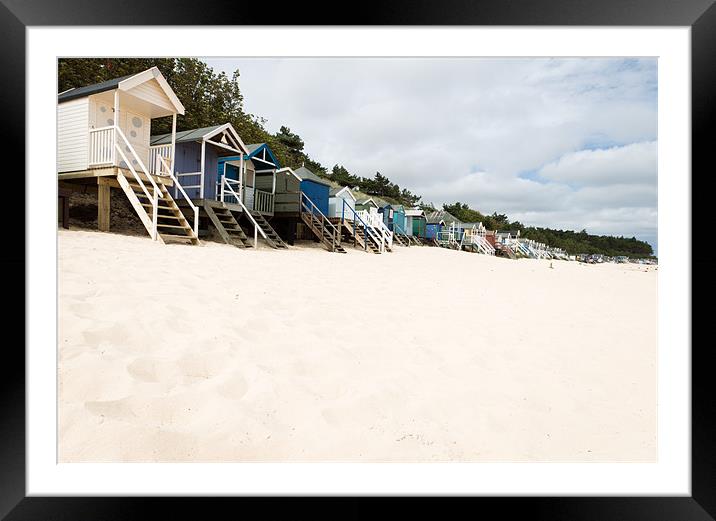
point(167, 209)
point(272, 238)
point(361, 238)
point(323, 233)
point(227, 226)
point(402, 240)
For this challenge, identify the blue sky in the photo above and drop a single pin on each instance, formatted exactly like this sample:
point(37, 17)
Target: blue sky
point(564, 143)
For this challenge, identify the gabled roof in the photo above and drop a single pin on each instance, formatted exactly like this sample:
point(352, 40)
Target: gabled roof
point(124, 83)
point(256, 148)
point(414, 212)
point(306, 175)
point(253, 151)
point(338, 190)
point(366, 199)
point(442, 215)
point(196, 134)
point(200, 134)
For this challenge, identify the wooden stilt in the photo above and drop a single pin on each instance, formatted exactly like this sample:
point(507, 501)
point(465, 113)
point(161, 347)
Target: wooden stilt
point(103, 205)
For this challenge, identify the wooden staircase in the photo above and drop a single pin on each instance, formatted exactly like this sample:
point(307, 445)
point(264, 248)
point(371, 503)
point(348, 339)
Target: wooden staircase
point(505, 251)
point(361, 238)
point(272, 238)
point(400, 239)
point(227, 226)
point(172, 226)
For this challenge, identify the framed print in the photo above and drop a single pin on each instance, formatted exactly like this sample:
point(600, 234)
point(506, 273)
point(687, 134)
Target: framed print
point(341, 259)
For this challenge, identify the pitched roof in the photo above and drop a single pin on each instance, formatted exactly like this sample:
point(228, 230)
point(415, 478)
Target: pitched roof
point(442, 215)
point(87, 90)
point(254, 146)
point(365, 199)
point(305, 174)
point(414, 212)
point(338, 189)
point(195, 134)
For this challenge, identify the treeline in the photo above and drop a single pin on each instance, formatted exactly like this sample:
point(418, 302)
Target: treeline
point(570, 241)
point(211, 98)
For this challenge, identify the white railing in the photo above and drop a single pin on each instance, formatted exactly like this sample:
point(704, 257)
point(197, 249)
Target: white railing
point(226, 196)
point(178, 186)
point(154, 197)
point(375, 221)
point(257, 229)
point(263, 201)
point(186, 186)
point(156, 152)
point(101, 146)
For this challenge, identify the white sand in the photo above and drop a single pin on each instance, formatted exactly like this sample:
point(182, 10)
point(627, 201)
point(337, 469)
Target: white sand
point(178, 353)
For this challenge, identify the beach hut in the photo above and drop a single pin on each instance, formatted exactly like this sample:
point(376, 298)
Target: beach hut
point(341, 203)
point(218, 172)
point(415, 223)
point(103, 140)
point(446, 229)
point(394, 219)
point(301, 208)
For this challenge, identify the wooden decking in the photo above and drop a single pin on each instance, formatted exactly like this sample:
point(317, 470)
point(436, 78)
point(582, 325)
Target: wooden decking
point(113, 171)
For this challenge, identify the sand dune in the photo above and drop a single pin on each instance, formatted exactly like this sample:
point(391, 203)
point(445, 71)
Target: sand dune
point(176, 353)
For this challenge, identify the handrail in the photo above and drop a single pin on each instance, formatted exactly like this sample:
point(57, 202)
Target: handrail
point(257, 228)
point(324, 220)
point(154, 199)
point(368, 229)
point(188, 199)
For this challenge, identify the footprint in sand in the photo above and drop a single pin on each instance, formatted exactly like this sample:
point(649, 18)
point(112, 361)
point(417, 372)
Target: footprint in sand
point(234, 388)
point(116, 333)
point(118, 409)
point(153, 370)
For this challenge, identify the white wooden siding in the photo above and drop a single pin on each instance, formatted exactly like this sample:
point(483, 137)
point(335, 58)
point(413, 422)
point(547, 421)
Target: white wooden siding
point(335, 206)
point(151, 92)
point(73, 135)
point(249, 197)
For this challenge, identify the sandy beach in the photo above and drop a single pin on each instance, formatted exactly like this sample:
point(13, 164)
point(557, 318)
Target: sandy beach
point(178, 353)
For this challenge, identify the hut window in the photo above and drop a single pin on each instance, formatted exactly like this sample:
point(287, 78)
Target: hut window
point(137, 122)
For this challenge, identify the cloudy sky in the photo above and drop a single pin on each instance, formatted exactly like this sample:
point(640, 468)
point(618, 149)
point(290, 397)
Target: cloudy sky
point(564, 143)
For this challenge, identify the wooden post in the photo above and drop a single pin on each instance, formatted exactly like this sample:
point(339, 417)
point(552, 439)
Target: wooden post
point(174, 137)
point(115, 159)
point(103, 205)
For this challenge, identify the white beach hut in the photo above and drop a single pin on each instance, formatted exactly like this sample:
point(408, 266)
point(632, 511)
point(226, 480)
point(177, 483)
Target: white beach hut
point(104, 139)
point(337, 198)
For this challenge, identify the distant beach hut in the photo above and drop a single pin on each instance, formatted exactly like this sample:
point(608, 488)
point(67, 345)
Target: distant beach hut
point(337, 198)
point(302, 207)
point(415, 222)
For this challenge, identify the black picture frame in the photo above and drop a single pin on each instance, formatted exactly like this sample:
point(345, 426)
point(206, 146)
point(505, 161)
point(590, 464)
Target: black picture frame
point(700, 15)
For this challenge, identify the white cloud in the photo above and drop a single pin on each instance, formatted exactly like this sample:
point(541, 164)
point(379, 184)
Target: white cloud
point(633, 163)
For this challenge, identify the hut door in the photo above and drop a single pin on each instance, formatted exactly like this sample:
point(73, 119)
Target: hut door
point(136, 129)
